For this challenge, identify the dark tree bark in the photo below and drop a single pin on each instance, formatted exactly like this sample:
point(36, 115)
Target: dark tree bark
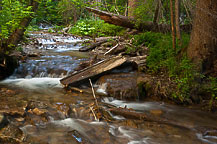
point(202, 49)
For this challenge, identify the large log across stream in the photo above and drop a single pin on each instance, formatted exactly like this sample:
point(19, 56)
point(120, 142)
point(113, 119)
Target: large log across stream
point(127, 22)
point(93, 71)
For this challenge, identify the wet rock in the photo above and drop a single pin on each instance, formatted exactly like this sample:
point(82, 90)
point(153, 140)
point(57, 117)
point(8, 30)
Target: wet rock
point(3, 121)
point(9, 140)
point(12, 106)
point(1, 118)
point(36, 104)
point(76, 111)
point(78, 137)
point(211, 133)
point(31, 54)
point(33, 119)
point(144, 84)
point(11, 135)
point(36, 112)
point(63, 108)
point(39, 111)
point(7, 65)
point(120, 86)
point(20, 119)
point(156, 112)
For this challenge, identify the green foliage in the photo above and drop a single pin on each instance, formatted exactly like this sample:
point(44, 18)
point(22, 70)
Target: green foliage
point(212, 89)
point(19, 48)
point(47, 13)
point(160, 46)
point(117, 7)
point(163, 57)
point(11, 14)
point(94, 28)
point(185, 74)
point(130, 49)
point(144, 11)
point(32, 28)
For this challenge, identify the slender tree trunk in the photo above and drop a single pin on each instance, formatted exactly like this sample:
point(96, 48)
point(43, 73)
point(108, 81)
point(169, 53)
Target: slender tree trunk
point(172, 25)
point(202, 49)
point(177, 16)
point(186, 9)
point(132, 5)
point(116, 9)
point(126, 10)
point(157, 11)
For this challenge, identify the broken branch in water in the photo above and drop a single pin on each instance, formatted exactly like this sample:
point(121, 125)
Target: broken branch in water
point(94, 94)
point(91, 108)
point(76, 89)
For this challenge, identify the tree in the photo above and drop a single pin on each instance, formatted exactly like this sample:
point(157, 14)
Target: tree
point(15, 16)
point(157, 12)
point(132, 5)
point(172, 24)
point(177, 17)
point(202, 49)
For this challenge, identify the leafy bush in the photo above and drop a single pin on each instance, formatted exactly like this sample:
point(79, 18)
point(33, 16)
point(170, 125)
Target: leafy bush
point(94, 28)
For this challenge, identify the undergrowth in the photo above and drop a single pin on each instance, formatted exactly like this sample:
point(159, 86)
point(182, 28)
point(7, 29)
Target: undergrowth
point(95, 28)
point(163, 57)
point(212, 89)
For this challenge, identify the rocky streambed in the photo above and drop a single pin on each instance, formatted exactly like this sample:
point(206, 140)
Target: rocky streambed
point(36, 108)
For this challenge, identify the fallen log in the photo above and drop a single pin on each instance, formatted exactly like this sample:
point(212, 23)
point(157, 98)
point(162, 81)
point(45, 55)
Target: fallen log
point(98, 42)
point(127, 22)
point(131, 114)
point(93, 72)
point(92, 46)
point(106, 38)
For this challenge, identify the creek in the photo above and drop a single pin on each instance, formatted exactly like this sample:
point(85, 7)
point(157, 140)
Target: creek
point(39, 110)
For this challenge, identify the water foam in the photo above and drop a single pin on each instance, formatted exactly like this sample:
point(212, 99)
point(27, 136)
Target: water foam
point(34, 83)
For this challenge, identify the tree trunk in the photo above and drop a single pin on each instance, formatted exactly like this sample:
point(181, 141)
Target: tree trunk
point(202, 49)
point(127, 22)
point(156, 13)
point(172, 25)
point(132, 5)
point(177, 16)
point(16, 36)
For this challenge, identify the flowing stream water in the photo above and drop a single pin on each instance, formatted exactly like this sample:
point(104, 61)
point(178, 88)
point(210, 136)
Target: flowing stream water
point(45, 113)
